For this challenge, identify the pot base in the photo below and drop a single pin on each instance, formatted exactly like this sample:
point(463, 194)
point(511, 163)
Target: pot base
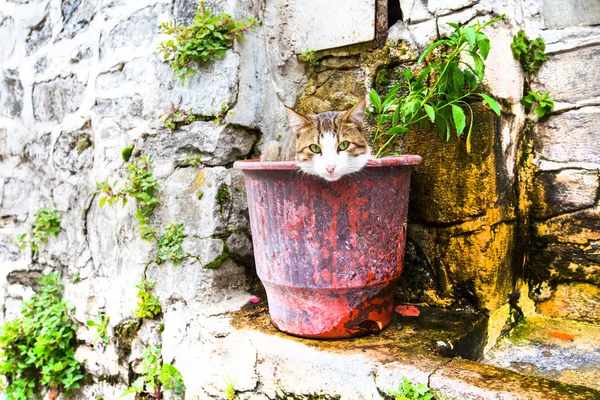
point(331, 313)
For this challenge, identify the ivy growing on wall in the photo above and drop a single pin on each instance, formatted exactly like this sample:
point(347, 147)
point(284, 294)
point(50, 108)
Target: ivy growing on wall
point(37, 349)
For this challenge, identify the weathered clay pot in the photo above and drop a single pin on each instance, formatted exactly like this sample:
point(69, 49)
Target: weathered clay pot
point(329, 253)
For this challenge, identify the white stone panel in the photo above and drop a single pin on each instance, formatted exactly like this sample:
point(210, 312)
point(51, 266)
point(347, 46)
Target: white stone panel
point(318, 25)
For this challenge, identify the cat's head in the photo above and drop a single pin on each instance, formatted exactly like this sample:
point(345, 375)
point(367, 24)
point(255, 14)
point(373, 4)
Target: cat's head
point(330, 144)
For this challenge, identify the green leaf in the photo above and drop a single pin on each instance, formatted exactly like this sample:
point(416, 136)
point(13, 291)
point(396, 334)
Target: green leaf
point(479, 66)
point(484, 47)
point(396, 130)
point(429, 49)
point(459, 119)
point(470, 35)
point(102, 201)
point(430, 112)
point(375, 100)
point(493, 104)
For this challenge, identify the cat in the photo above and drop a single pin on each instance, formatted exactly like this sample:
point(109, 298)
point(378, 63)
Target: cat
point(329, 145)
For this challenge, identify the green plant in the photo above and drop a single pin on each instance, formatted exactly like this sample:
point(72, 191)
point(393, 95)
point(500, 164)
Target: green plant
point(531, 56)
point(530, 53)
point(148, 304)
point(230, 392)
point(543, 103)
point(101, 327)
point(142, 186)
point(408, 391)
point(191, 161)
point(156, 376)
point(222, 113)
point(208, 37)
point(439, 92)
point(83, 144)
point(37, 349)
point(308, 56)
point(46, 224)
point(174, 116)
point(170, 245)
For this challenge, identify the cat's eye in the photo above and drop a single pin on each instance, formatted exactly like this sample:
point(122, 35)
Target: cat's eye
point(315, 148)
point(344, 145)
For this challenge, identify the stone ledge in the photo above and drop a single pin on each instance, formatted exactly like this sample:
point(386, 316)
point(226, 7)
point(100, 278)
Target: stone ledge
point(369, 367)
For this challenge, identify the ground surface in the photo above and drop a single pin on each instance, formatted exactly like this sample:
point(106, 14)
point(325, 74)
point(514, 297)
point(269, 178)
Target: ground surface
point(552, 348)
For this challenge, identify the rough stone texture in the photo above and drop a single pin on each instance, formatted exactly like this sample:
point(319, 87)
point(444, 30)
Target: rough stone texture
point(571, 137)
point(209, 92)
point(463, 379)
point(38, 35)
point(563, 13)
point(567, 247)
point(573, 84)
point(7, 28)
point(64, 60)
point(532, 349)
point(578, 301)
point(53, 99)
point(11, 94)
point(559, 192)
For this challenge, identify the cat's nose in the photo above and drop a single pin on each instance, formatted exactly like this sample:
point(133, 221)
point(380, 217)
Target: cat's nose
point(330, 169)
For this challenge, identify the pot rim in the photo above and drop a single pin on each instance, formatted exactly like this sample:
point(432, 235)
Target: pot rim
point(390, 161)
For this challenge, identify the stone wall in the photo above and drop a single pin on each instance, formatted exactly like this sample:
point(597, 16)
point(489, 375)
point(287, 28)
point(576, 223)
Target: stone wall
point(74, 72)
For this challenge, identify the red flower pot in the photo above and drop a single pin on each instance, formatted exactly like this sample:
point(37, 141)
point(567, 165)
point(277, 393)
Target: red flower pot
point(329, 253)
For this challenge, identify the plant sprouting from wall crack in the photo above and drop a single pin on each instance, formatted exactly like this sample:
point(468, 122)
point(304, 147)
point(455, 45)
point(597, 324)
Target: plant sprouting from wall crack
point(148, 304)
point(170, 245)
point(308, 56)
point(174, 116)
point(101, 327)
point(531, 56)
point(142, 186)
point(37, 349)
point(208, 37)
point(156, 376)
point(46, 225)
point(439, 92)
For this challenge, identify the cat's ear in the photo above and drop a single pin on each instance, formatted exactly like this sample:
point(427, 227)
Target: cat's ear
point(356, 114)
point(296, 119)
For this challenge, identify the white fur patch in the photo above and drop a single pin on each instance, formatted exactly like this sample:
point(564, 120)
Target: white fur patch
point(339, 163)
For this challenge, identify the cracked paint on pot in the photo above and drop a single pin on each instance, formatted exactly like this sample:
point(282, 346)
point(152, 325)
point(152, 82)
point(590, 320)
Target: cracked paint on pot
point(329, 253)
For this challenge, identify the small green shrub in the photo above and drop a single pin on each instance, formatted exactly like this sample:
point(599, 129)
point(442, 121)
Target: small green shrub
point(439, 92)
point(156, 376)
point(37, 349)
point(408, 391)
point(101, 327)
point(47, 224)
point(170, 245)
point(308, 56)
point(530, 53)
point(191, 161)
point(174, 116)
point(142, 186)
point(148, 304)
point(208, 37)
point(531, 56)
point(543, 103)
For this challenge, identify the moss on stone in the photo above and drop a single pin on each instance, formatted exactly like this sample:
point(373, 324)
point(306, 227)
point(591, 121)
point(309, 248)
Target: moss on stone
point(216, 263)
point(127, 152)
